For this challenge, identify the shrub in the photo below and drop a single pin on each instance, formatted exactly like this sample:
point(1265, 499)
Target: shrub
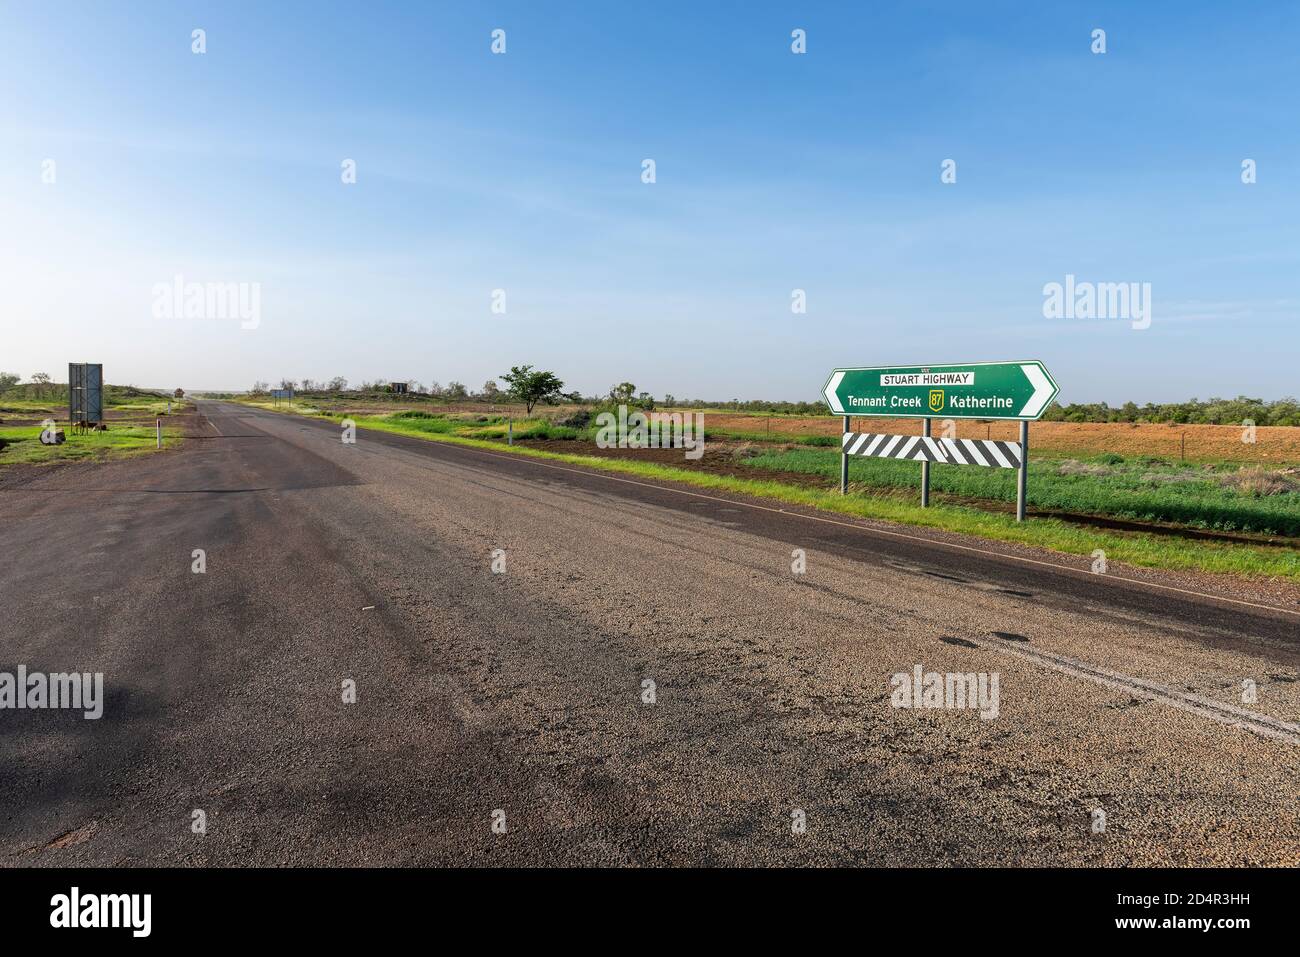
point(1259, 482)
point(577, 419)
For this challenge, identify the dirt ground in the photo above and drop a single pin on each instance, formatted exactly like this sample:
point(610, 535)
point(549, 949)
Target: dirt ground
point(1273, 444)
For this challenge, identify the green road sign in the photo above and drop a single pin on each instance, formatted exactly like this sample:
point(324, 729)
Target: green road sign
point(975, 390)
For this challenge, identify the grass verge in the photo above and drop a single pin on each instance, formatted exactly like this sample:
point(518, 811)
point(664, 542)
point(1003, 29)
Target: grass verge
point(23, 445)
point(1224, 497)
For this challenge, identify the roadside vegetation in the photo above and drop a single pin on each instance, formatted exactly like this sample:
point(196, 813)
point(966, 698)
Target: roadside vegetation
point(23, 444)
point(1212, 411)
point(130, 414)
point(1222, 497)
point(41, 397)
point(1226, 497)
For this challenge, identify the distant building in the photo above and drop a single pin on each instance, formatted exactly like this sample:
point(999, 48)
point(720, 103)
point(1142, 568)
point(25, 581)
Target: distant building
point(398, 387)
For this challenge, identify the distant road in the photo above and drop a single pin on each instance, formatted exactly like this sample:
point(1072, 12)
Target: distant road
point(525, 692)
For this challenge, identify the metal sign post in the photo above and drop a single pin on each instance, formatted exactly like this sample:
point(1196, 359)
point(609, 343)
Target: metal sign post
point(1022, 477)
point(925, 469)
point(844, 460)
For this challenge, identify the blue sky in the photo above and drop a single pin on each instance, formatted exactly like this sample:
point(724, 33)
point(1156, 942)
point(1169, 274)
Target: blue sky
point(775, 172)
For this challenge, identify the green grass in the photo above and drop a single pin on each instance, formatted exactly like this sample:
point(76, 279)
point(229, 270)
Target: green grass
point(540, 430)
point(154, 407)
point(28, 407)
point(465, 424)
point(23, 444)
point(1148, 490)
point(425, 423)
point(732, 435)
point(1134, 548)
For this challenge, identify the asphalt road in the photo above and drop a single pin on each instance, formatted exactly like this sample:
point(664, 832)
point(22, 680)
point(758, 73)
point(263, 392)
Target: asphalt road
point(519, 697)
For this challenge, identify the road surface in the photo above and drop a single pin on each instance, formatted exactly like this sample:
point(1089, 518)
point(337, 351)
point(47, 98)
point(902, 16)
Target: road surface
point(504, 717)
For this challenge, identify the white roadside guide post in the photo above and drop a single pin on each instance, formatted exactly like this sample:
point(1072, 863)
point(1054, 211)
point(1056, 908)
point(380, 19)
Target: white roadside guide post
point(1019, 391)
point(158, 424)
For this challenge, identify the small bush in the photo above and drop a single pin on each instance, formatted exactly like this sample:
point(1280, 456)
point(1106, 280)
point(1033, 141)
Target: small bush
point(546, 431)
point(577, 419)
point(1110, 458)
point(1259, 482)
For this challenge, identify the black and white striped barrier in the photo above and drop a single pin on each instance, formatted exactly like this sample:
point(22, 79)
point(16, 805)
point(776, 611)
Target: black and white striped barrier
point(921, 448)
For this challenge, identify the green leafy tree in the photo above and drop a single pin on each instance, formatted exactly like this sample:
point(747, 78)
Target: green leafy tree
point(622, 393)
point(531, 386)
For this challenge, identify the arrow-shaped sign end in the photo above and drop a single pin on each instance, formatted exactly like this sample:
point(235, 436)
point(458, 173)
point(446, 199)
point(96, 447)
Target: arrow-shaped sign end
point(1044, 390)
point(832, 399)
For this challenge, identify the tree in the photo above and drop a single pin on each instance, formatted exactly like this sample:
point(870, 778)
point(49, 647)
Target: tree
point(259, 387)
point(8, 380)
point(531, 386)
point(622, 393)
point(490, 388)
point(338, 384)
point(457, 390)
point(288, 384)
point(42, 379)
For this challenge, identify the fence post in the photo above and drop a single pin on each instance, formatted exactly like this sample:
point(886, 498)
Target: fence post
point(158, 424)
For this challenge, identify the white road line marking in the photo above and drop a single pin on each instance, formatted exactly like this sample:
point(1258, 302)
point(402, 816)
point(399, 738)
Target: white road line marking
point(864, 528)
point(1220, 711)
point(214, 427)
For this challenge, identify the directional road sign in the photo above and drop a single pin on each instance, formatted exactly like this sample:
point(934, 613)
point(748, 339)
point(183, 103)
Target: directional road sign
point(974, 390)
